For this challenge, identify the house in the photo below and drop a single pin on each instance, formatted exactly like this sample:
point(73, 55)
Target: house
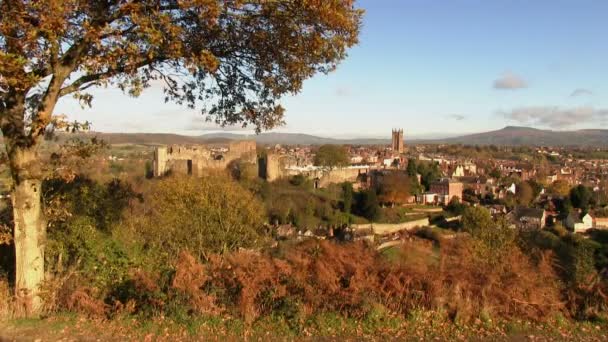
point(497, 209)
point(446, 189)
point(427, 198)
point(579, 223)
point(528, 218)
point(512, 189)
point(600, 222)
point(458, 171)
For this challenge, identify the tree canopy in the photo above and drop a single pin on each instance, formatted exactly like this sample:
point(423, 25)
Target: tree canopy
point(560, 188)
point(232, 59)
point(239, 57)
point(394, 188)
point(331, 156)
point(580, 196)
point(524, 194)
point(211, 214)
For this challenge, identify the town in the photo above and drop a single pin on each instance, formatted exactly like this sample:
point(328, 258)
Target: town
point(542, 186)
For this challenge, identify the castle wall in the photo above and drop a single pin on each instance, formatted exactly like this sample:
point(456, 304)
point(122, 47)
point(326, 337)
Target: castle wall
point(195, 159)
point(325, 177)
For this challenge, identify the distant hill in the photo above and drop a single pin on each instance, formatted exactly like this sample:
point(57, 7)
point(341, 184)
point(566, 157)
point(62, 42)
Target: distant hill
point(293, 139)
point(517, 136)
point(264, 138)
point(508, 136)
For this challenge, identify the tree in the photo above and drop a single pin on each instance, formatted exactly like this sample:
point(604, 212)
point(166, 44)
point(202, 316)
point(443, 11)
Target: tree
point(580, 196)
point(455, 207)
point(331, 156)
point(495, 173)
point(394, 188)
point(524, 194)
point(411, 169)
point(560, 188)
point(476, 220)
point(492, 236)
point(236, 58)
point(206, 215)
point(347, 197)
point(429, 172)
point(367, 205)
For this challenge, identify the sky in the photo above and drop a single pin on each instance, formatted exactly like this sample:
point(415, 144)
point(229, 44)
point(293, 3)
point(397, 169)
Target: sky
point(434, 68)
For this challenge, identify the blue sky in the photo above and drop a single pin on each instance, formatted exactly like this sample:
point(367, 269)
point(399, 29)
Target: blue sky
point(434, 68)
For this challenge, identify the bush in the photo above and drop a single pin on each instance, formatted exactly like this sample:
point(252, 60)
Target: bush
point(202, 215)
point(321, 277)
point(82, 215)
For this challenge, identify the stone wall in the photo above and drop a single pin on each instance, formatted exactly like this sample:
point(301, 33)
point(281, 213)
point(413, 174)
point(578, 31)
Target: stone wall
point(194, 159)
point(274, 166)
point(324, 177)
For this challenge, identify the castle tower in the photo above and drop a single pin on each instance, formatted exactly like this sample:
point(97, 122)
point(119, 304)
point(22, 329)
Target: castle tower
point(397, 143)
point(160, 161)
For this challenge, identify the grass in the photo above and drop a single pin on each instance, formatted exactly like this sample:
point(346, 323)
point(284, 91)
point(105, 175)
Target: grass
point(411, 253)
point(378, 324)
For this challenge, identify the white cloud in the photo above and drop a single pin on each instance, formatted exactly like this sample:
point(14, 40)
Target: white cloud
point(457, 117)
point(344, 91)
point(580, 92)
point(556, 117)
point(510, 81)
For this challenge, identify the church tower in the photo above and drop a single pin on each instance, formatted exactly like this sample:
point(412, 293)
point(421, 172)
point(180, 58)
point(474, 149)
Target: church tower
point(397, 143)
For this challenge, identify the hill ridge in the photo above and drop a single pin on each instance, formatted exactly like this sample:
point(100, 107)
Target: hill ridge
point(506, 136)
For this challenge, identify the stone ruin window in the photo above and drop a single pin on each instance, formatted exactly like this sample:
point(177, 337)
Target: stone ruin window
point(189, 165)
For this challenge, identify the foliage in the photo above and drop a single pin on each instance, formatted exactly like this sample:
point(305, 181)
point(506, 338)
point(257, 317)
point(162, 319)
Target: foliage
point(580, 197)
point(429, 172)
point(455, 207)
point(321, 277)
point(495, 173)
point(85, 197)
point(524, 193)
point(202, 215)
point(493, 236)
point(579, 262)
point(412, 168)
point(298, 180)
point(394, 188)
point(366, 204)
point(82, 215)
point(131, 45)
point(347, 197)
point(303, 206)
point(560, 188)
point(331, 156)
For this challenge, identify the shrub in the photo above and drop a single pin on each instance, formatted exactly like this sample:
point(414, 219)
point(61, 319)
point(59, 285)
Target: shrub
point(202, 215)
point(319, 277)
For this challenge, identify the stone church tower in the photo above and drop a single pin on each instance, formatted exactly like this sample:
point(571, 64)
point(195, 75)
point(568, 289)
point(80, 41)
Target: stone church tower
point(397, 143)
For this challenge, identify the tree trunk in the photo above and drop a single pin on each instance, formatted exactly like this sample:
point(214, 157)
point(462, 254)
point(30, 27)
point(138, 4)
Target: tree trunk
point(30, 230)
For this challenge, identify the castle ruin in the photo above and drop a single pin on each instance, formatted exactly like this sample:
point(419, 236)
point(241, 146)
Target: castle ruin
point(194, 159)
